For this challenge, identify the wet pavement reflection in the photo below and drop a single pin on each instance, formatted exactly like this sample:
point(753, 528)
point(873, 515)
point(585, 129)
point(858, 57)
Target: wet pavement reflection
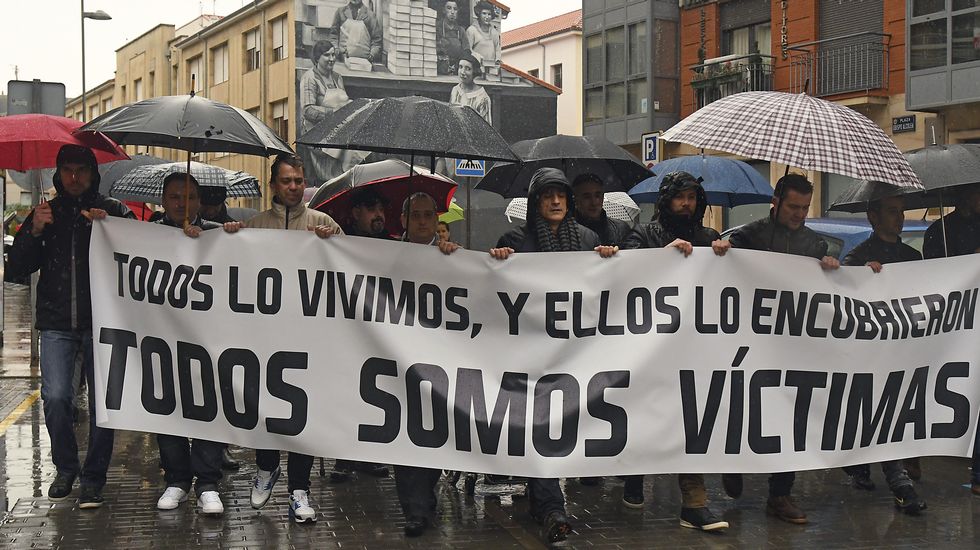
point(364, 513)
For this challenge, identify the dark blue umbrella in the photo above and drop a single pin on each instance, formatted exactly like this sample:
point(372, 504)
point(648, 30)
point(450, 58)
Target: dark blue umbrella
point(727, 182)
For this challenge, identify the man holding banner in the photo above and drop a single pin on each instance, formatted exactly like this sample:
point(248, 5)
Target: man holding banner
point(417, 486)
point(782, 231)
point(550, 227)
point(678, 224)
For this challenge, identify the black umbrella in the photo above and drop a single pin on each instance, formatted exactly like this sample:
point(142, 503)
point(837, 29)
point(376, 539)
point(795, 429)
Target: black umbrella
point(416, 126)
point(189, 123)
point(941, 168)
point(574, 155)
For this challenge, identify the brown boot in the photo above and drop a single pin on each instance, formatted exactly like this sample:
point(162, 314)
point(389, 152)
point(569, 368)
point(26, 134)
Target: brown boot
point(785, 509)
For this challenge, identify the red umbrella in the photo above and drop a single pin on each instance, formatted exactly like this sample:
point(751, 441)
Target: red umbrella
point(390, 179)
point(32, 141)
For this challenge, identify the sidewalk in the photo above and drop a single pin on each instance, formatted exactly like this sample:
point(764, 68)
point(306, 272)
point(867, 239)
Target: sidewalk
point(364, 513)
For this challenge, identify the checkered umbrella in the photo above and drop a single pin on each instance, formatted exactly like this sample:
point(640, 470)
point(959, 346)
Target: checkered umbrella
point(797, 130)
point(145, 183)
point(617, 205)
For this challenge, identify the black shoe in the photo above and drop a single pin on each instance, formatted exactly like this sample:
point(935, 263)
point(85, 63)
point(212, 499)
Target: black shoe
point(908, 501)
point(556, 527)
point(589, 481)
point(863, 482)
point(701, 518)
point(228, 462)
point(732, 484)
point(633, 501)
point(415, 526)
point(91, 498)
point(61, 487)
point(376, 470)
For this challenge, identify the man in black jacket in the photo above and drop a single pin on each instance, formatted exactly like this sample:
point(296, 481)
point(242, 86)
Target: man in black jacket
point(589, 197)
point(213, 204)
point(885, 246)
point(368, 214)
point(962, 227)
point(550, 227)
point(678, 224)
point(782, 231)
point(55, 240)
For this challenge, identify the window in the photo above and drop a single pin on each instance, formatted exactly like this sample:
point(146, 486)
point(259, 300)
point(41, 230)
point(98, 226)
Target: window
point(615, 54)
point(122, 93)
point(138, 89)
point(253, 51)
point(927, 44)
point(925, 7)
point(195, 80)
point(533, 72)
point(746, 40)
point(615, 100)
point(150, 81)
point(593, 104)
point(280, 120)
point(219, 64)
point(556, 75)
point(107, 105)
point(93, 111)
point(637, 48)
point(278, 39)
point(593, 59)
point(966, 37)
point(636, 96)
point(254, 111)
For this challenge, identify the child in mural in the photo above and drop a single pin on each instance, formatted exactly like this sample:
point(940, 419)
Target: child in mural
point(451, 42)
point(321, 93)
point(483, 36)
point(468, 92)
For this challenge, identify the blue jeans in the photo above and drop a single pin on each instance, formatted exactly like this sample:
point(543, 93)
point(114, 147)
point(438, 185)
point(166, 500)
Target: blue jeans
point(58, 351)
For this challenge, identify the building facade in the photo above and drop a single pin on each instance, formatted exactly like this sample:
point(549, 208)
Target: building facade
point(551, 50)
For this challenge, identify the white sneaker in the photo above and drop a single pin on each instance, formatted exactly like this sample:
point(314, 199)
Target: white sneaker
point(299, 507)
point(210, 503)
point(262, 486)
point(171, 498)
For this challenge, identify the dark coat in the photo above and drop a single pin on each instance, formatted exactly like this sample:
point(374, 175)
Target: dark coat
point(521, 239)
point(200, 222)
point(64, 300)
point(611, 232)
point(962, 236)
point(655, 235)
point(223, 216)
point(354, 231)
point(877, 250)
point(765, 234)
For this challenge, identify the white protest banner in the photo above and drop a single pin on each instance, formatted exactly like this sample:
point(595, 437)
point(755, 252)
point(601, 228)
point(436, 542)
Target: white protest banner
point(545, 365)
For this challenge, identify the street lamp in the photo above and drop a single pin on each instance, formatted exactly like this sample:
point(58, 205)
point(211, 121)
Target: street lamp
point(98, 15)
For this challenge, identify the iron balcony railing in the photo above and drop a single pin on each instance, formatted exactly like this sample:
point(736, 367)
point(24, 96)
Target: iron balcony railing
point(853, 63)
point(729, 75)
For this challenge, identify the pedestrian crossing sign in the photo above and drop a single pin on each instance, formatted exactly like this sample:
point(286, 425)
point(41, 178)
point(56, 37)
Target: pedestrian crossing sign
point(471, 168)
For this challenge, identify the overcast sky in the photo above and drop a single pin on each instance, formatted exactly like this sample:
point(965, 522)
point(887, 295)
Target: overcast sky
point(43, 37)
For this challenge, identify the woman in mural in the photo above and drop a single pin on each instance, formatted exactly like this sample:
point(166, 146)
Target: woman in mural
point(321, 93)
point(483, 36)
point(468, 92)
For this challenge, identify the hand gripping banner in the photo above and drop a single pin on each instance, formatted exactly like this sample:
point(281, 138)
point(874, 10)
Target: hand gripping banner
point(546, 365)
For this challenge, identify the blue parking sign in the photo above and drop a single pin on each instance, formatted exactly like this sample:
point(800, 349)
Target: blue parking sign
point(649, 144)
point(471, 168)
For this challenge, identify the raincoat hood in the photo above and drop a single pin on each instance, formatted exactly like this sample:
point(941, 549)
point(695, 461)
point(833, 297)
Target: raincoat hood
point(672, 184)
point(543, 178)
point(76, 154)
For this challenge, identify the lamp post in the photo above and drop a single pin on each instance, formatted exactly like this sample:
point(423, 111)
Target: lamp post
point(98, 15)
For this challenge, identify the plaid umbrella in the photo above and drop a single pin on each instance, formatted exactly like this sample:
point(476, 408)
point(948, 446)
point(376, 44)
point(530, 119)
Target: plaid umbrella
point(617, 205)
point(797, 130)
point(145, 183)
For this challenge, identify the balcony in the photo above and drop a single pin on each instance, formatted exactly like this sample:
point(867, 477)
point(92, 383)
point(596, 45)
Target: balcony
point(852, 63)
point(731, 74)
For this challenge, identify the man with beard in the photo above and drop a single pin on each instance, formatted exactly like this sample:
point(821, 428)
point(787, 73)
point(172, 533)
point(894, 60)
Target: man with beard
point(678, 224)
point(782, 231)
point(550, 227)
point(589, 195)
point(368, 214)
point(885, 246)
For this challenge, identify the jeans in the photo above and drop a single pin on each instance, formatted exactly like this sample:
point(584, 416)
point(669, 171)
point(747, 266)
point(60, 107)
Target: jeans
point(58, 351)
point(417, 491)
point(298, 468)
point(693, 493)
point(544, 497)
point(183, 460)
point(781, 484)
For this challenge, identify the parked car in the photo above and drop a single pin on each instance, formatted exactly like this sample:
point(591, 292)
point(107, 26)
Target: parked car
point(843, 234)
